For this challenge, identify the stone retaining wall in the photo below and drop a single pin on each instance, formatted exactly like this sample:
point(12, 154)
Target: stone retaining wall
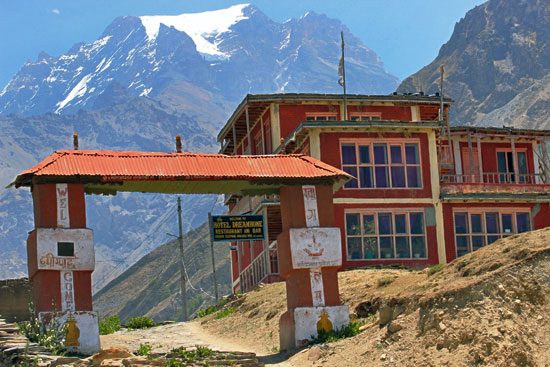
point(15, 295)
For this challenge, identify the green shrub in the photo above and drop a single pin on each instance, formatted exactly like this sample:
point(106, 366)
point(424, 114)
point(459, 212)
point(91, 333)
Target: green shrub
point(50, 335)
point(109, 325)
point(434, 269)
point(144, 350)
point(208, 311)
point(174, 362)
point(226, 312)
point(140, 322)
point(203, 352)
point(345, 332)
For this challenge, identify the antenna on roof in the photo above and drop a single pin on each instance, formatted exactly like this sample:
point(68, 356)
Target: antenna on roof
point(178, 143)
point(75, 141)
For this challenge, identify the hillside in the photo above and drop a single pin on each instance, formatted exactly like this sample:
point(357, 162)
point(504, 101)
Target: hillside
point(490, 307)
point(497, 51)
point(151, 286)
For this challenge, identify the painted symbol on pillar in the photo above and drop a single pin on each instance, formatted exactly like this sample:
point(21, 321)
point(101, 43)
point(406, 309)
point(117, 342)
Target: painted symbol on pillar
point(324, 322)
point(314, 248)
point(309, 192)
point(73, 332)
point(311, 215)
point(62, 193)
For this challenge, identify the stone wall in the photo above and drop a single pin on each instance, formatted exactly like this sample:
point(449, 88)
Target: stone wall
point(15, 295)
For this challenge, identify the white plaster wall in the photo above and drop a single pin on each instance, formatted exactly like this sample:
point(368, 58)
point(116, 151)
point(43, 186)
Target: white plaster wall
point(88, 325)
point(306, 319)
point(315, 247)
point(47, 239)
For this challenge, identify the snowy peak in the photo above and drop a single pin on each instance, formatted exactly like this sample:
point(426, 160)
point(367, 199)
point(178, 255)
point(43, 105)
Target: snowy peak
point(203, 27)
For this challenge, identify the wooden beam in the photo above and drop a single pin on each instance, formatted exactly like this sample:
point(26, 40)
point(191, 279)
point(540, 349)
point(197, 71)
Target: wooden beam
point(514, 159)
point(470, 150)
point(248, 131)
point(479, 161)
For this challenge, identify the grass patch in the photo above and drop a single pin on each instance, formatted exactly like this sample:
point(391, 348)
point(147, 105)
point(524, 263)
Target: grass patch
point(144, 350)
point(226, 312)
point(345, 332)
point(382, 282)
point(109, 325)
point(140, 322)
point(434, 269)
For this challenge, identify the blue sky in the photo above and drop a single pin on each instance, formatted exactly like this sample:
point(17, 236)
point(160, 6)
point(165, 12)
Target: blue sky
point(406, 34)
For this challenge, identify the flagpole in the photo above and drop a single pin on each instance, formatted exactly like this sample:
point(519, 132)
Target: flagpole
point(343, 74)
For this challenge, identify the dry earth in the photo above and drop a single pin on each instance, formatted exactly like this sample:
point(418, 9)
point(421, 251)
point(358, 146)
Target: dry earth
point(487, 308)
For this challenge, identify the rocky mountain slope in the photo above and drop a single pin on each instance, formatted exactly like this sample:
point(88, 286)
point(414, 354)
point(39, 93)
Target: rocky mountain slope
point(144, 80)
point(498, 51)
point(489, 308)
point(151, 286)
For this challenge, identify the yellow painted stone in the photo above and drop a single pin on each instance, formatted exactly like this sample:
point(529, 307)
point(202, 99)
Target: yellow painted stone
point(73, 333)
point(324, 322)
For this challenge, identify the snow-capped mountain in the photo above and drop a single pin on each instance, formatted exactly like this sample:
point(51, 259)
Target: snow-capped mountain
point(144, 80)
point(190, 59)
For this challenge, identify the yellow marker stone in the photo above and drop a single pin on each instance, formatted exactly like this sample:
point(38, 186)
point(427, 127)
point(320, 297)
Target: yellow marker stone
point(73, 333)
point(324, 322)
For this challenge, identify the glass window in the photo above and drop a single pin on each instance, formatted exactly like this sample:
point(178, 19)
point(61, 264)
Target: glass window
point(348, 154)
point(523, 222)
point(364, 154)
point(386, 235)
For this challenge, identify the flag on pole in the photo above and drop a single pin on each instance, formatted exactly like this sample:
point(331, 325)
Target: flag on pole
point(341, 70)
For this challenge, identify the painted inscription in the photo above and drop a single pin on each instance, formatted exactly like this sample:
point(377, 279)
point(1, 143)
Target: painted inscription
point(310, 206)
point(62, 193)
point(55, 262)
point(317, 290)
point(67, 291)
point(47, 249)
point(315, 247)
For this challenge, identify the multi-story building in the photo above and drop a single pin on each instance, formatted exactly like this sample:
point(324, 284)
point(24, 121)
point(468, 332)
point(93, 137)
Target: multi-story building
point(423, 193)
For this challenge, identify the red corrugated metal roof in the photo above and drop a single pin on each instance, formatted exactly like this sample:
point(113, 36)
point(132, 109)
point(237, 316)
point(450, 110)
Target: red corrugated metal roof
point(108, 166)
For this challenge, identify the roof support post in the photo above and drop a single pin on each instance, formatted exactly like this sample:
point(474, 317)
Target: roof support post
point(249, 150)
point(234, 141)
point(514, 159)
point(470, 151)
point(263, 135)
point(479, 161)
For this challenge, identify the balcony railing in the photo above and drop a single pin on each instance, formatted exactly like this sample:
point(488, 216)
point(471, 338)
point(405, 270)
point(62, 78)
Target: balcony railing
point(259, 269)
point(495, 178)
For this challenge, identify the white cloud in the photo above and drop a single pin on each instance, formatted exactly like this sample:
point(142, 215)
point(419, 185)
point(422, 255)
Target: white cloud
point(55, 11)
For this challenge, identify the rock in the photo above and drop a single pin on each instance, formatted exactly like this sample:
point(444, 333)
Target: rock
point(314, 354)
point(115, 362)
point(442, 326)
point(138, 361)
point(110, 353)
point(385, 315)
point(394, 327)
point(383, 357)
point(64, 360)
point(539, 318)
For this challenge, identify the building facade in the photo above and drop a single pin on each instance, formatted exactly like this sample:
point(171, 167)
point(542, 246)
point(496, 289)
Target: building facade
point(422, 193)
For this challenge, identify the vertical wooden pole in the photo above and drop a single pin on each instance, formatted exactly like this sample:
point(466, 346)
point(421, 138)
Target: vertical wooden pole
point(479, 161)
point(515, 159)
point(248, 131)
point(210, 225)
point(471, 156)
point(234, 141)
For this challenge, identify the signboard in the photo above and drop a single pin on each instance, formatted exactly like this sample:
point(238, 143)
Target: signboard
point(237, 227)
point(65, 249)
point(315, 247)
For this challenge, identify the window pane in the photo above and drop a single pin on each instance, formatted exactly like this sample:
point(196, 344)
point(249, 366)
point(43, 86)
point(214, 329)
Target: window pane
point(507, 223)
point(375, 118)
point(411, 154)
point(365, 176)
point(522, 162)
point(332, 118)
point(381, 176)
point(386, 248)
point(354, 118)
point(364, 154)
point(384, 223)
point(352, 171)
point(501, 162)
point(348, 154)
point(310, 118)
point(354, 248)
point(477, 242)
point(461, 226)
point(365, 118)
point(523, 222)
point(413, 176)
point(417, 223)
point(370, 247)
point(461, 245)
point(398, 176)
point(491, 239)
point(402, 247)
point(352, 225)
point(321, 118)
point(400, 223)
point(380, 154)
point(476, 223)
point(491, 221)
point(395, 152)
point(418, 246)
point(368, 224)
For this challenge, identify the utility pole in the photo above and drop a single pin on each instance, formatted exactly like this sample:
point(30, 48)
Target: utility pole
point(180, 239)
point(212, 251)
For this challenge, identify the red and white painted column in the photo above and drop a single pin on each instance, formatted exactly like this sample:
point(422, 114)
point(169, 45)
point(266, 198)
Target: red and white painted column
point(310, 254)
point(60, 253)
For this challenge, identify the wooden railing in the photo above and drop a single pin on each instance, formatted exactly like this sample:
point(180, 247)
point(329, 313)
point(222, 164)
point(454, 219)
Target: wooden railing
point(259, 269)
point(495, 178)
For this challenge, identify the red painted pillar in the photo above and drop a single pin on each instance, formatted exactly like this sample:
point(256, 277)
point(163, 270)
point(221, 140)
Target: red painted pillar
point(310, 253)
point(61, 260)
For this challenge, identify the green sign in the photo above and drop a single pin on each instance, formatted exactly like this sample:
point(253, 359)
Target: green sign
point(237, 227)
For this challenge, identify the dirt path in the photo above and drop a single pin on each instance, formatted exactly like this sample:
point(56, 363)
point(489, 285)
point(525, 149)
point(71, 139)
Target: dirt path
point(187, 334)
